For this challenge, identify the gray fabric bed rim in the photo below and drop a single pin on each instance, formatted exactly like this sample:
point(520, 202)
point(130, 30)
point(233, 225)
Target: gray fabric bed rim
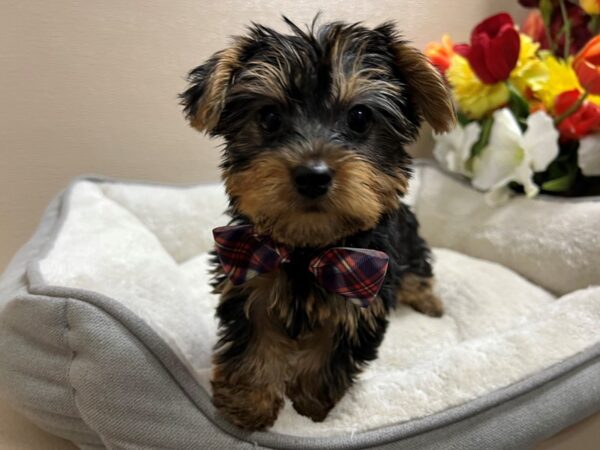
point(544, 383)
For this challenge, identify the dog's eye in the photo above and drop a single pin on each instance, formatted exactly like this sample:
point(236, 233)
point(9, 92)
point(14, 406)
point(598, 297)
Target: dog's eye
point(359, 118)
point(270, 119)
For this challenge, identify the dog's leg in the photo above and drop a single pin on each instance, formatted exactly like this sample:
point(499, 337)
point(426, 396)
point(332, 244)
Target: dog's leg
point(417, 292)
point(415, 282)
point(317, 384)
point(329, 360)
point(251, 406)
point(314, 394)
point(250, 363)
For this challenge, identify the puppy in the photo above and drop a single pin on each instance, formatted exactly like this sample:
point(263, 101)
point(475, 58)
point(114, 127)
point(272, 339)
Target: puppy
point(320, 247)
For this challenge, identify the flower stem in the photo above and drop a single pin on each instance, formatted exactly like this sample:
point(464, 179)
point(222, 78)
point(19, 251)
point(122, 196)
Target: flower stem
point(551, 43)
point(594, 24)
point(547, 28)
point(567, 28)
point(574, 107)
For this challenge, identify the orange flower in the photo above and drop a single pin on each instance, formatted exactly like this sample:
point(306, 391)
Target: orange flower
point(587, 66)
point(440, 53)
point(590, 6)
point(536, 105)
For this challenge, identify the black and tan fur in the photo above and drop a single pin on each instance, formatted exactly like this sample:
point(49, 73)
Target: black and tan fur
point(281, 333)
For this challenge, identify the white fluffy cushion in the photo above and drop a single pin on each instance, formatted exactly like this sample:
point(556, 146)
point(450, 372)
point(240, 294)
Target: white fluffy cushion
point(145, 246)
point(553, 242)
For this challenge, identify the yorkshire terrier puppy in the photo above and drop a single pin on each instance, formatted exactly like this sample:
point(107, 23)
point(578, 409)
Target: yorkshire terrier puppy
point(320, 247)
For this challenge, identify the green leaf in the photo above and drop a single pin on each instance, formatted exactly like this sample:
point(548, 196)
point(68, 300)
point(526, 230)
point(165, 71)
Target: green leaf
point(462, 119)
point(517, 104)
point(484, 136)
point(556, 170)
point(562, 183)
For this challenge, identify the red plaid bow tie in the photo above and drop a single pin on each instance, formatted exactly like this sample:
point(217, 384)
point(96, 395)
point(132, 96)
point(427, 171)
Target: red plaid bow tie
point(356, 273)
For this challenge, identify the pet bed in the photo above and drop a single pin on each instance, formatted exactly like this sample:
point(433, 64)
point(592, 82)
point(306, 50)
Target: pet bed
point(107, 324)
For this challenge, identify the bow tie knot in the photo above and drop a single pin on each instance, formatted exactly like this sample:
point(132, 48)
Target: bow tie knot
point(355, 273)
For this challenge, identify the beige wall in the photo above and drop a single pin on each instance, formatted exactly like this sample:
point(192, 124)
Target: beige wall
point(90, 86)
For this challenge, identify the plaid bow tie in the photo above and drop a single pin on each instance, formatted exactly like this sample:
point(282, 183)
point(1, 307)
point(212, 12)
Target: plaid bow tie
point(356, 273)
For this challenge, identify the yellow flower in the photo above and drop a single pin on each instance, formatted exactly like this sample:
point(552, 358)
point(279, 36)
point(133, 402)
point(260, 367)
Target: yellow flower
point(590, 6)
point(561, 78)
point(474, 98)
point(530, 74)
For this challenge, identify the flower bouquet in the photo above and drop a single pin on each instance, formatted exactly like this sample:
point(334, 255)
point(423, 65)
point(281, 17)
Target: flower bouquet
point(528, 102)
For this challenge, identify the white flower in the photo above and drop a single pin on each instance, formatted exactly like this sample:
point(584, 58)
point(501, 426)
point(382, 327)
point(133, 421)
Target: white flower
point(453, 149)
point(512, 155)
point(589, 155)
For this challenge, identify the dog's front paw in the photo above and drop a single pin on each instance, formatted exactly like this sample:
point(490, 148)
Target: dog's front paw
point(417, 292)
point(315, 412)
point(430, 305)
point(310, 399)
point(248, 407)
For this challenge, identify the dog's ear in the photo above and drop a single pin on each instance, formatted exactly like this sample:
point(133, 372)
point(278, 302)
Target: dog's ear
point(209, 85)
point(426, 87)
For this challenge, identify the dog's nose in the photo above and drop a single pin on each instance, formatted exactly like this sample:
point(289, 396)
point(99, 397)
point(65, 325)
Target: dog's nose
point(313, 179)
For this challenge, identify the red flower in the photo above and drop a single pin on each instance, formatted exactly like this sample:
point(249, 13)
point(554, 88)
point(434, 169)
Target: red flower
point(584, 121)
point(494, 48)
point(587, 66)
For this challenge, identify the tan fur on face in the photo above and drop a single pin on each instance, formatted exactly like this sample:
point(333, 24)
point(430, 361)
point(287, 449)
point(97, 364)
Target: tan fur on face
point(358, 197)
